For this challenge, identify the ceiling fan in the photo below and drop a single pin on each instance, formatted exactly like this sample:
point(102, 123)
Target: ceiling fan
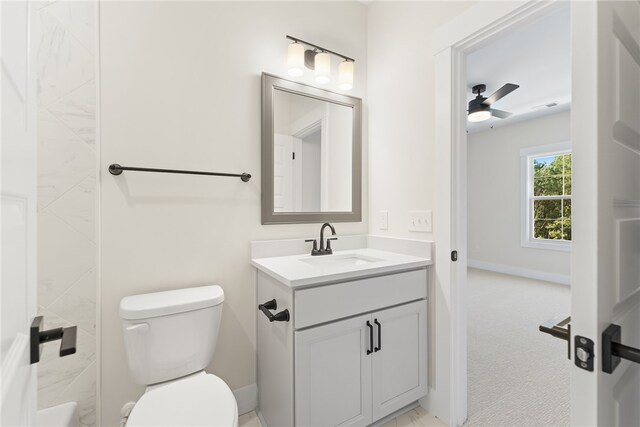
point(480, 107)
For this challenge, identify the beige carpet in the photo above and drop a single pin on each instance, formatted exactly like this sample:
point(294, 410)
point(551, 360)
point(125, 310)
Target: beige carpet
point(518, 376)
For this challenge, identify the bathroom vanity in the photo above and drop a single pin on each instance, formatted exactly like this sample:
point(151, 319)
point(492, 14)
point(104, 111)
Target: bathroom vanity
point(342, 338)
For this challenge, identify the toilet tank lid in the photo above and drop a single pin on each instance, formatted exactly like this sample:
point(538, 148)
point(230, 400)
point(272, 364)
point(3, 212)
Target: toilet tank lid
point(170, 302)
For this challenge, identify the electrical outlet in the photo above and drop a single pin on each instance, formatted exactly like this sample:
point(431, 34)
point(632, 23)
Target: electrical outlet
point(420, 221)
point(383, 220)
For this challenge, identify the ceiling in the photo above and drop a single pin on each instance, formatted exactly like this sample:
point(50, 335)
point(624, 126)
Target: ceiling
point(536, 56)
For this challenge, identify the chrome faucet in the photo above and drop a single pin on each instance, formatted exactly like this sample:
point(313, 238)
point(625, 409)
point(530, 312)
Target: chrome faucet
point(323, 251)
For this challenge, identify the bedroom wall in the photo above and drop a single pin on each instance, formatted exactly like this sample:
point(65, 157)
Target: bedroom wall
point(494, 204)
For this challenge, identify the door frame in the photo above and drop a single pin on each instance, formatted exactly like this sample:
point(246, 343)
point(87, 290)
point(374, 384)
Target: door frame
point(321, 125)
point(476, 27)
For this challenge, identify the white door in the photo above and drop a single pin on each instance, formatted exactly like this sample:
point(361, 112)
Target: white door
point(400, 357)
point(333, 374)
point(17, 210)
point(605, 259)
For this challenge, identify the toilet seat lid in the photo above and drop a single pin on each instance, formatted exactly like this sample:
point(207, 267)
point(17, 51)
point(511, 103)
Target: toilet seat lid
point(197, 400)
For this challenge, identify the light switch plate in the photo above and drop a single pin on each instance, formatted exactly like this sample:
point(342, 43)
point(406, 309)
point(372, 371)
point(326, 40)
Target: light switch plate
point(420, 221)
point(383, 220)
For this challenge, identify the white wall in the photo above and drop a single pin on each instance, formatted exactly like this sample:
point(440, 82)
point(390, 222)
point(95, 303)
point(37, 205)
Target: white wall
point(180, 88)
point(67, 153)
point(289, 108)
point(401, 73)
point(311, 172)
point(402, 109)
point(339, 160)
point(494, 195)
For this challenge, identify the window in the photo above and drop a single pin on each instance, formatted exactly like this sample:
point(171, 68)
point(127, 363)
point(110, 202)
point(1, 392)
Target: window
point(546, 204)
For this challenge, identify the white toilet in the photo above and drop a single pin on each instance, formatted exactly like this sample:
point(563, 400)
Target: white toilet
point(170, 338)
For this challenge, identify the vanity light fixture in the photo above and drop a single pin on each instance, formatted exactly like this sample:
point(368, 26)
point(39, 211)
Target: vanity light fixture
point(295, 59)
point(345, 75)
point(322, 67)
point(318, 59)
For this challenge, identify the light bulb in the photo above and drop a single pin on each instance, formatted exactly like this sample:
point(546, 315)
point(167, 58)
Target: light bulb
point(295, 59)
point(323, 68)
point(479, 116)
point(345, 75)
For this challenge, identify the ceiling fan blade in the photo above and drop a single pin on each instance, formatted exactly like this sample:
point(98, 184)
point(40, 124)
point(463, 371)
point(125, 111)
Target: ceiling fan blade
point(503, 91)
point(500, 114)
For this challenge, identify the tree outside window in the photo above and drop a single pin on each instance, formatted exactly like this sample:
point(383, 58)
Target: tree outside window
point(546, 196)
point(551, 201)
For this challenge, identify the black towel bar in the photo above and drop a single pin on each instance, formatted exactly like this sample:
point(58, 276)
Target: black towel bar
point(116, 169)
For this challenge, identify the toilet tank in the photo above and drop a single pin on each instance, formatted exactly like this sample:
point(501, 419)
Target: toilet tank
point(170, 334)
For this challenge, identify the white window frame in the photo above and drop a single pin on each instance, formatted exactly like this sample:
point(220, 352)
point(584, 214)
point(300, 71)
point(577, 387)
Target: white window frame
point(526, 209)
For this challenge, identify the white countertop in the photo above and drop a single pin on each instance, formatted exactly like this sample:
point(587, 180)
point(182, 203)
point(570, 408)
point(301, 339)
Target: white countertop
point(294, 270)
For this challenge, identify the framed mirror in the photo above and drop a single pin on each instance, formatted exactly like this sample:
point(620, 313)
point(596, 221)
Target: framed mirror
point(311, 154)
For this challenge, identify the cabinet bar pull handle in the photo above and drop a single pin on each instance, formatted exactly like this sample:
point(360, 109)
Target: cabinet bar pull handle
point(369, 350)
point(379, 347)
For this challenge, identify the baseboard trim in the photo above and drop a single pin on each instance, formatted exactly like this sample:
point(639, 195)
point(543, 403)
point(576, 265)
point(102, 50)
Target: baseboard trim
point(246, 398)
point(562, 279)
point(263, 423)
point(395, 414)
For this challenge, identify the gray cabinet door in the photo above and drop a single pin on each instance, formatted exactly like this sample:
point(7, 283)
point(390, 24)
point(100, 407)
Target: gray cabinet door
point(333, 374)
point(400, 365)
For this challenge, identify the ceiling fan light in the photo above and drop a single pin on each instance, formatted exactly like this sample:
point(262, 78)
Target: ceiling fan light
point(479, 116)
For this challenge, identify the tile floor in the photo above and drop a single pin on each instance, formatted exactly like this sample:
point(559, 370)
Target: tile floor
point(417, 417)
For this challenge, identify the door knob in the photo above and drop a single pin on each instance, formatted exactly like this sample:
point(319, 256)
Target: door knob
point(67, 337)
point(559, 327)
point(613, 351)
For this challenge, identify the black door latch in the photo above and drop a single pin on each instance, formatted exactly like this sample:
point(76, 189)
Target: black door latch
point(39, 337)
point(454, 256)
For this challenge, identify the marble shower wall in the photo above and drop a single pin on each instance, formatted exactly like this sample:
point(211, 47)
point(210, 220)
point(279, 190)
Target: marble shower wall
point(67, 159)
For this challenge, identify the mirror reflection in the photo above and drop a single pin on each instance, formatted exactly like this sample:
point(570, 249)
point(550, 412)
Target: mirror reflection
point(312, 154)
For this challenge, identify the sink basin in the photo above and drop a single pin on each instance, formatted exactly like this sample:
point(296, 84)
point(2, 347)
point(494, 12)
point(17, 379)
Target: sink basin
point(346, 260)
